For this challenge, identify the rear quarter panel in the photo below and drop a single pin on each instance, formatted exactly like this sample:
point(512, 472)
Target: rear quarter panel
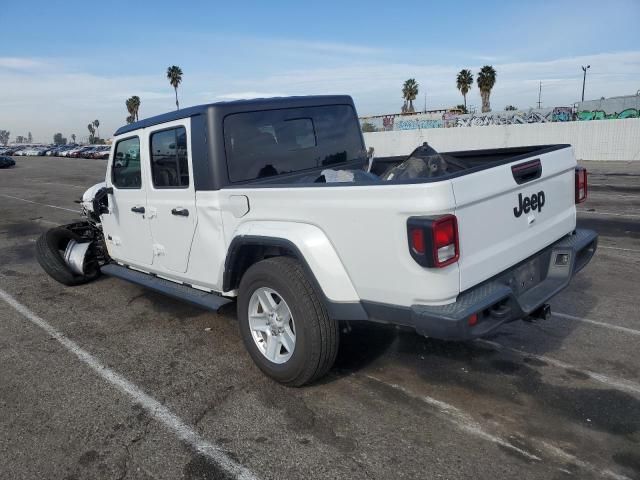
point(366, 225)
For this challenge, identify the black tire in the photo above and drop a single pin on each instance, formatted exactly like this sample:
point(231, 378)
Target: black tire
point(49, 253)
point(317, 336)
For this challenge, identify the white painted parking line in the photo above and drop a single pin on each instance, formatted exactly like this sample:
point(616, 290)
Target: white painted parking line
point(620, 249)
point(46, 221)
point(154, 408)
point(609, 195)
point(617, 383)
point(611, 214)
point(38, 203)
point(459, 418)
point(466, 423)
point(61, 184)
point(610, 326)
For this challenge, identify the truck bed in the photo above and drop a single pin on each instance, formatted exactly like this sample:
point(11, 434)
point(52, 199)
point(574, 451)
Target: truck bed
point(473, 160)
point(461, 162)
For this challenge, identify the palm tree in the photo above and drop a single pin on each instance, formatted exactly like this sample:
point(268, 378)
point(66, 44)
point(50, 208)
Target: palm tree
point(92, 132)
point(174, 74)
point(96, 123)
point(135, 103)
point(464, 82)
point(486, 81)
point(409, 94)
point(73, 137)
point(129, 104)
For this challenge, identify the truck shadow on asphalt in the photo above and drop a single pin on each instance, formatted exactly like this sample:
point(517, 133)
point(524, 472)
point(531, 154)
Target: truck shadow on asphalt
point(362, 344)
point(535, 393)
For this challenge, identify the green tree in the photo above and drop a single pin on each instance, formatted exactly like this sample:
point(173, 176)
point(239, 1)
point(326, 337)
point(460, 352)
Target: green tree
point(96, 123)
point(92, 133)
point(409, 94)
point(129, 104)
point(174, 74)
point(368, 127)
point(510, 108)
point(4, 136)
point(136, 106)
point(486, 80)
point(73, 137)
point(29, 138)
point(464, 82)
point(57, 139)
point(462, 108)
point(133, 105)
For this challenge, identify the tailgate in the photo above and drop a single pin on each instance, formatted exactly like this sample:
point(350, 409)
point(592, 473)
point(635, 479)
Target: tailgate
point(501, 222)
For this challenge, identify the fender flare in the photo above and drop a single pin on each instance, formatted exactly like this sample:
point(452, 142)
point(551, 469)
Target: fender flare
point(310, 246)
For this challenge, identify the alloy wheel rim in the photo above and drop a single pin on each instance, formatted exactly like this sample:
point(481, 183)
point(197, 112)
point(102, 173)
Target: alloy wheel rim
point(271, 324)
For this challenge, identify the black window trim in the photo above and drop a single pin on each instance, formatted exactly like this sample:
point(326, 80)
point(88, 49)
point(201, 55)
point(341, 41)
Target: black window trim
point(115, 150)
point(151, 134)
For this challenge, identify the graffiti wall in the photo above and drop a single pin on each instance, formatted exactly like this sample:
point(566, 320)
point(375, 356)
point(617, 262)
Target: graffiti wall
point(422, 121)
point(610, 108)
point(387, 123)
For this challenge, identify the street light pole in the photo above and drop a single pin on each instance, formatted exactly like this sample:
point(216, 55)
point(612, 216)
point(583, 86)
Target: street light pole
point(584, 78)
point(539, 96)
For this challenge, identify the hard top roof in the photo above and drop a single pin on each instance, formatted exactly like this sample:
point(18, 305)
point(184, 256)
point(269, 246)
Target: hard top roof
point(235, 106)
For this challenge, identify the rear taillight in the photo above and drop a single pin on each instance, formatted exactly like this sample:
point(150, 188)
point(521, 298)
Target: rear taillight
point(581, 184)
point(433, 242)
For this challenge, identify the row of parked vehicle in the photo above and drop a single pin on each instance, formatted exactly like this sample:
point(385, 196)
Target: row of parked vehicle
point(72, 150)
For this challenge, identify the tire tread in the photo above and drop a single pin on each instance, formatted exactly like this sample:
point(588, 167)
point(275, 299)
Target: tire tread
point(325, 338)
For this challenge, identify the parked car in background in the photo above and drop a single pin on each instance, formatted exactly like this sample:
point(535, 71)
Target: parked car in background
point(72, 152)
point(101, 152)
point(6, 162)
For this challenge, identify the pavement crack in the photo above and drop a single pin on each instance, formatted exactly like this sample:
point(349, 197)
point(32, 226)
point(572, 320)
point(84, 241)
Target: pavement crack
point(133, 299)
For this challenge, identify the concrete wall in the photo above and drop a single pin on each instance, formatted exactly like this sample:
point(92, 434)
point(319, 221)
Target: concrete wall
point(609, 108)
point(604, 140)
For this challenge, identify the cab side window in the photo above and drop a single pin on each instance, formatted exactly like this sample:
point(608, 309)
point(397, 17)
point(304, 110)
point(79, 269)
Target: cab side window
point(169, 166)
point(125, 171)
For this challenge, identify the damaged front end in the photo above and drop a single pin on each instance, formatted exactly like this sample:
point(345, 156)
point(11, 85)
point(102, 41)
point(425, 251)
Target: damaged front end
point(84, 251)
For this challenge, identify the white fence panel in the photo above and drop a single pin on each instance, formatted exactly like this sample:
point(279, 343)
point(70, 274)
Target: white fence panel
point(592, 140)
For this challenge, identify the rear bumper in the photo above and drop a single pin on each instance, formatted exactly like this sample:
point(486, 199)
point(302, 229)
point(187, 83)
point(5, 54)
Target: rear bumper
point(513, 294)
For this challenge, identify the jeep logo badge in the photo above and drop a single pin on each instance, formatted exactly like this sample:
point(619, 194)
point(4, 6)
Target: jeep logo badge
point(526, 204)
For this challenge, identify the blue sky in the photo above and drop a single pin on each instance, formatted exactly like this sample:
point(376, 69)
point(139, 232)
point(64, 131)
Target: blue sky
point(65, 66)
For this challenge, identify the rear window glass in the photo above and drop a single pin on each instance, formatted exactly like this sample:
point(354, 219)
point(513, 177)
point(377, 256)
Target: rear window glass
point(274, 142)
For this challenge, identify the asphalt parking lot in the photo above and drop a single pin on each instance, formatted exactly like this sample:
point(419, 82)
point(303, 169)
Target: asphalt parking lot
point(547, 400)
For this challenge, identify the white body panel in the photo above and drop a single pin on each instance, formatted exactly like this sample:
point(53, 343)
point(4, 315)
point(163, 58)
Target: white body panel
point(365, 226)
point(127, 234)
point(491, 237)
point(172, 234)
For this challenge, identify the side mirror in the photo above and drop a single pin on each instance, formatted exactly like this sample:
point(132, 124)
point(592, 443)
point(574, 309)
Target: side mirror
point(101, 202)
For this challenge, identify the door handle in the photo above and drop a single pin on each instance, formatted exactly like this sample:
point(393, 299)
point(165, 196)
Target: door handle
point(137, 209)
point(182, 212)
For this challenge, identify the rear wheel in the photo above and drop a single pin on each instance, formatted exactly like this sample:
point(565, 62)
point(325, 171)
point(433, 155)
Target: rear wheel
point(50, 249)
point(284, 324)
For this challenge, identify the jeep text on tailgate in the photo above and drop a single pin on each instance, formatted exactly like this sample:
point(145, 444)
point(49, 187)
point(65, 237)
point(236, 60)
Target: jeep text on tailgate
point(275, 203)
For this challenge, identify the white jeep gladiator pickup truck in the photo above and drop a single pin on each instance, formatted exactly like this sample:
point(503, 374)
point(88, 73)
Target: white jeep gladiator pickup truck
point(275, 203)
